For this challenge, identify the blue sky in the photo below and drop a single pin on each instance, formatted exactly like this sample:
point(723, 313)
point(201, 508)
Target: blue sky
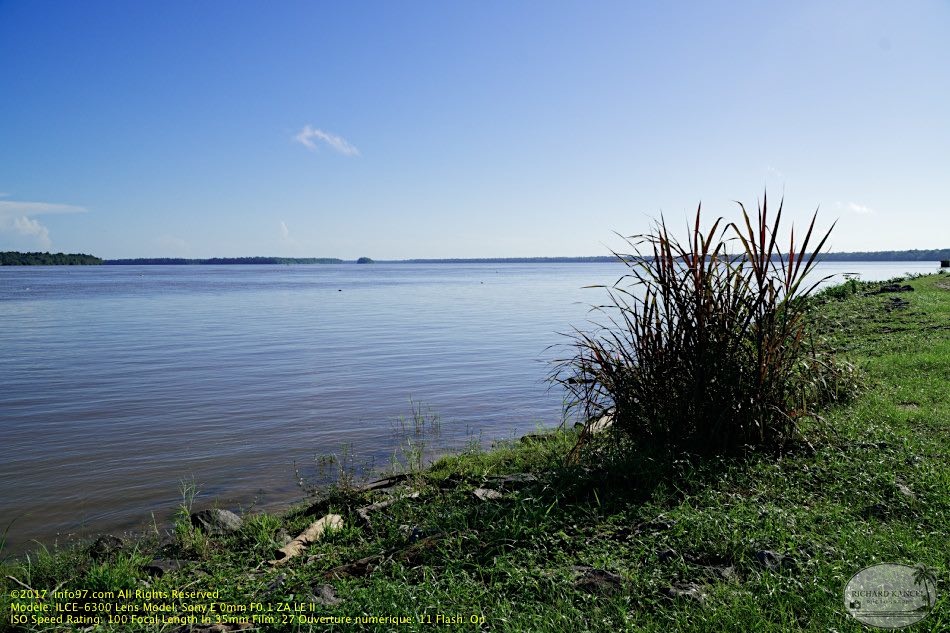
point(463, 129)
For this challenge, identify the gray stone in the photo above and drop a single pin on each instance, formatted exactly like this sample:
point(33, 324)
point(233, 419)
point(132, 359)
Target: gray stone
point(486, 494)
point(277, 582)
point(216, 522)
point(105, 547)
point(325, 595)
point(769, 559)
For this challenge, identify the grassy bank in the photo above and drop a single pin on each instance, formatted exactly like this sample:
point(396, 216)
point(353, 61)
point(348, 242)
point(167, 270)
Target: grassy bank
point(760, 543)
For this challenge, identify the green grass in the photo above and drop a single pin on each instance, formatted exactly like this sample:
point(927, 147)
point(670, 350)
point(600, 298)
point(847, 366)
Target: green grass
point(875, 488)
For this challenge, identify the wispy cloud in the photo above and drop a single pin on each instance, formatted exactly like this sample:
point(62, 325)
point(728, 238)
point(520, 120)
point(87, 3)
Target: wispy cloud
point(20, 207)
point(287, 237)
point(31, 228)
point(309, 137)
point(16, 216)
point(854, 207)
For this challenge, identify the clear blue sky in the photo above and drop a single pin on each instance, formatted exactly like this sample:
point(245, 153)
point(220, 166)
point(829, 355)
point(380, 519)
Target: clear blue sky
point(435, 129)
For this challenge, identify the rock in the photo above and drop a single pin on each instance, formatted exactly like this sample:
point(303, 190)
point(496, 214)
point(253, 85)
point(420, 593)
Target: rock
point(277, 582)
point(105, 547)
point(216, 522)
point(597, 581)
point(167, 543)
point(486, 494)
point(686, 590)
point(769, 559)
point(161, 566)
point(325, 595)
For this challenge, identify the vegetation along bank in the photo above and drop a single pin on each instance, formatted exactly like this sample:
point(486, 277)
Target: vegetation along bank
point(549, 533)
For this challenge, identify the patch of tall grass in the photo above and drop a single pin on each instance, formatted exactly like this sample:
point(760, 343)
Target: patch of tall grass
point(707, 351)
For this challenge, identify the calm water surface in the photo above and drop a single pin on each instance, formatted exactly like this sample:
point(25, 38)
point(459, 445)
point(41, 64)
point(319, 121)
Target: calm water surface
point(117, 383)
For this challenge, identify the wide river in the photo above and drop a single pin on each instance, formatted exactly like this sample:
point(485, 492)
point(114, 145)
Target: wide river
point(118, 383)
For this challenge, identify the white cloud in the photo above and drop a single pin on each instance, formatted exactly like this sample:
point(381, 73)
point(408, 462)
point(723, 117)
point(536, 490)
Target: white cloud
point(854, 207)
point(16, 217)
point(23, 208)
point(284, 231)
point(31, 228)
point(309, 136)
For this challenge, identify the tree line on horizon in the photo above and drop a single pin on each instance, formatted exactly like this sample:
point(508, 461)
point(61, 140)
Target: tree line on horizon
point(15, 258)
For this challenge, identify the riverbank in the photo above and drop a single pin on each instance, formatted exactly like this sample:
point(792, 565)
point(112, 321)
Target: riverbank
point(519, 539)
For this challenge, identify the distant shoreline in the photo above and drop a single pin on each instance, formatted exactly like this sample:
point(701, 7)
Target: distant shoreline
point(12, 258)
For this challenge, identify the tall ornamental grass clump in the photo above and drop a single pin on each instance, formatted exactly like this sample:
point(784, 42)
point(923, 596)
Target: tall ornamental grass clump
point(706, 351)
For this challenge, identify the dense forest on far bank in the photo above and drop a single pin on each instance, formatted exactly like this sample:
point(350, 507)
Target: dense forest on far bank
point(934, 254)
point(14, 258)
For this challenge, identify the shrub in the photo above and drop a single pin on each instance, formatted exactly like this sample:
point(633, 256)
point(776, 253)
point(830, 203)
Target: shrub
point(842, 291)
point(705, 351)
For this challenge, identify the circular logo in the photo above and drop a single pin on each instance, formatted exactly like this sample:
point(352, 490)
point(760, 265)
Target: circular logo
point(890, 596)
